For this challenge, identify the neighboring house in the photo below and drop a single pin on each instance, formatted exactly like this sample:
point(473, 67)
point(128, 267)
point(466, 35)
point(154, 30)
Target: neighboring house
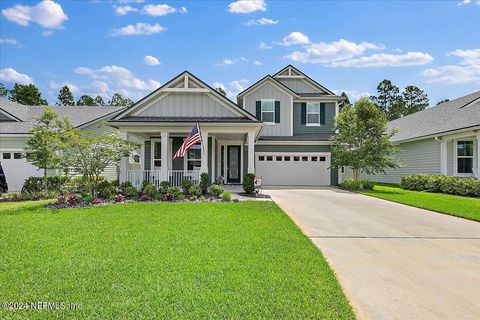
point(279, 130)
point(444, 139)
point(15, 122)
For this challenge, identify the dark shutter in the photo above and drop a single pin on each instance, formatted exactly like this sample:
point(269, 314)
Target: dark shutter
point(277, 111)
point(303, 117)
point(322, 113)
point(258, 110)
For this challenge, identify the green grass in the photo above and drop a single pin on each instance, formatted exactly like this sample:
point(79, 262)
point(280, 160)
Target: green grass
point(175, 261)
point(464, 207)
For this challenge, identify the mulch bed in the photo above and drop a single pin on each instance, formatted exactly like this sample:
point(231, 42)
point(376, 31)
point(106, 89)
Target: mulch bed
point(255, 195)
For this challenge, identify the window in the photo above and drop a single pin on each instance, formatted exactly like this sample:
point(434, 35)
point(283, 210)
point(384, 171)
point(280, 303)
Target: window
point(17, 155)
point(268, 111)
point(261, 158)
point(286, 158)
point(296, 158)
point(7, 155)
point(313, 114)
point(464, 156)
point(343, 170)
point(269, 158)
point(157, 155)
point(322, 158)
point(304, 158)
point(314, 158)
point(278, 158)
point(194, 157)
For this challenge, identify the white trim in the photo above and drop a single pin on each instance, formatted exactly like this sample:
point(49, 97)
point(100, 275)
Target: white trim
point(204, 90)
point(261, 111)
point(452, 134)
point(291, 116)
point(286, 142)
point(290, 77)
point(185, 83)
point(313, 124)
point(213, 177)
point(152, 152)
point(261, 83)
point(455, 158)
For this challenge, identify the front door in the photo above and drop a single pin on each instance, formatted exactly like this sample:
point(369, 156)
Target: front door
point(233, 164)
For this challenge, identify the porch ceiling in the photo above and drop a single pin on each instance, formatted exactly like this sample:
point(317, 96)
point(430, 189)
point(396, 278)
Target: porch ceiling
point(229, 136)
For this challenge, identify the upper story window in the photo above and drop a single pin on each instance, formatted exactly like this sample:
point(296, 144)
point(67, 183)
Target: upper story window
point(313, 114)
point(268, 111)
point(465, 157)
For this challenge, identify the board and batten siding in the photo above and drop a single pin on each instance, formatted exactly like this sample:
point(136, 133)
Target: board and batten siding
point(298, 85)
point(416, 157)
point(187, 105)
point(269, 91)
point(299, 128)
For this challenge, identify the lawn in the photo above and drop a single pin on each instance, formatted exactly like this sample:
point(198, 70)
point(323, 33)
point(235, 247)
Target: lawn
point(464, 207)
point(160, 260)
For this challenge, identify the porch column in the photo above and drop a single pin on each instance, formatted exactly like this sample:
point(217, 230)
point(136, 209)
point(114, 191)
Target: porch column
point(164, 155)
point(251, 152)
point(478, 156)
point(124, 162)
point(443, 156)
point(204, 158)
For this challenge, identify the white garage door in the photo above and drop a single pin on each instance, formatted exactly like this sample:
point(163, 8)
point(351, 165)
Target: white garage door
point(293, 169)
point(16, 169)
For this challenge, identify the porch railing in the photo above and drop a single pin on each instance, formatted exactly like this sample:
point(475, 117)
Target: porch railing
point(175, 177)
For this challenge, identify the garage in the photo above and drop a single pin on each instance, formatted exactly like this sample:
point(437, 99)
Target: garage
point(293, 169)
point(16, 169)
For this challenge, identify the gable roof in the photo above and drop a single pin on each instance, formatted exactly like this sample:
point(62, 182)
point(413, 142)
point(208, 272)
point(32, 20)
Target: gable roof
point(304, 75)
point(461, 113)
point(203, 87)
point(79, 116)
point(275, 82)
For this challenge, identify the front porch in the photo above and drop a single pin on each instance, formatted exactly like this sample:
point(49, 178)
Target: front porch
point(226, 153)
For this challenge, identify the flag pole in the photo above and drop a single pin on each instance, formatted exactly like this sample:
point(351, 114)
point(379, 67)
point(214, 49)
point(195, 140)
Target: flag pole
point(201, 137)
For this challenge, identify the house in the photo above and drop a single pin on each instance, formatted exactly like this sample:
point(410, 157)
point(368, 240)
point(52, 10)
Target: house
point(279, 129)
point(15, 122)
point(444, 139)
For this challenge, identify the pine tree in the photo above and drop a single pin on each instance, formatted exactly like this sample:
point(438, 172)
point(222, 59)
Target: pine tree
point(65, 97)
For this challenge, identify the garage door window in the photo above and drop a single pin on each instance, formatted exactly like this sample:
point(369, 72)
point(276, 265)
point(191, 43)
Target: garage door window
point(286, 158)
point(261, 158)
point(314, 158)
point(304, 158)
point(17, 155)
point(7, 155)
point(278, 158)
point(296, 158)
point(322, 159)
point(269, 158)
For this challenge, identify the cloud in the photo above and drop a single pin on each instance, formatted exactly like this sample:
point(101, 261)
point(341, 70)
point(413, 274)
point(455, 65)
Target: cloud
point(47, 33)
point(56, 86)
point(238, 85)
point(247, 6)
point(123, 10)
point(151, 61)
point(467, 2)
point(158, 10)
point(295, 38)
point(130, 1)
point(257, 63)
point(466, 71)
point(263, 46)
point(414, 58)
point(323, 52)
point(228, 62)
point(47, 14)
point(234, 87)
point(138, 29)
point(261, 22)
point(353, 95)
point(11, 41)
point(10, 75)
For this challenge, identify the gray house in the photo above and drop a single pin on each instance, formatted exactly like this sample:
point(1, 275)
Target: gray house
point(279, 129)
point(444, 139)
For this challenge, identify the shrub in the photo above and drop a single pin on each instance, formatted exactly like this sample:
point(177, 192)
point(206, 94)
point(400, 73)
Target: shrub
point(158, 196)
point(124, 185)
point(236, 200)
point(186, 184)
point(195, 191)
point(249, 183)
point(119, 198)
point(77, 185)
point(149, 189)
point(359, 185)
point(36, 184)
point(145, 183)
point(130, 192)
point(193, 198)
point(106, 189)
point(164, 185)
point(88, 198)
point(180, 197)
point(145, 197)
point(226, 196)
point(202, 198)
point(97, 201)
point(72, 199)
point(204, 182)
point(173, 190)
point(442, 184)
point(168, 197)
point(215, 190)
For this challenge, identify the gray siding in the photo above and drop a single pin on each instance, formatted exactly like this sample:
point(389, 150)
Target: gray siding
point(415, 157)
point(299, 85)
point(268, 91)
point(299, 128)
point(187, 105)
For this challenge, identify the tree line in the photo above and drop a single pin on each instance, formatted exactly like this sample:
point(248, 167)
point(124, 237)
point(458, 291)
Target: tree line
point(395, 104)
point(30, 95)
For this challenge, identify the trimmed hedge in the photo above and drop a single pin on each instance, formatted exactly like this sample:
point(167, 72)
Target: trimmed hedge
point(36, 184)
point(359, 185)
point(442, 184)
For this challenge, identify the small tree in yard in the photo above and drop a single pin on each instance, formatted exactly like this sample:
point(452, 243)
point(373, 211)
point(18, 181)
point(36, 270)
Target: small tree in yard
point(43, 145)
point(363, 140)
point(89, 155)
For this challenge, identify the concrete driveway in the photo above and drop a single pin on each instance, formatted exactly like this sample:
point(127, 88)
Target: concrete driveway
point(393, 261)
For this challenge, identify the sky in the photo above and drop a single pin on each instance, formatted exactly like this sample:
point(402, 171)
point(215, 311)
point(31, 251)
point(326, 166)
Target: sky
point(134, 46)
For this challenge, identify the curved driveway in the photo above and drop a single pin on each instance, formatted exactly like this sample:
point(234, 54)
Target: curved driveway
point(393, 261)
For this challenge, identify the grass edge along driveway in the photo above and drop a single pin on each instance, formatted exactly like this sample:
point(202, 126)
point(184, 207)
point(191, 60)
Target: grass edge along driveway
point(165, 260)
point(463, 207)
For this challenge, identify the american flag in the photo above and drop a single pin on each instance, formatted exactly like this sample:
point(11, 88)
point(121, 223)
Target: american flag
point(193, 138)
